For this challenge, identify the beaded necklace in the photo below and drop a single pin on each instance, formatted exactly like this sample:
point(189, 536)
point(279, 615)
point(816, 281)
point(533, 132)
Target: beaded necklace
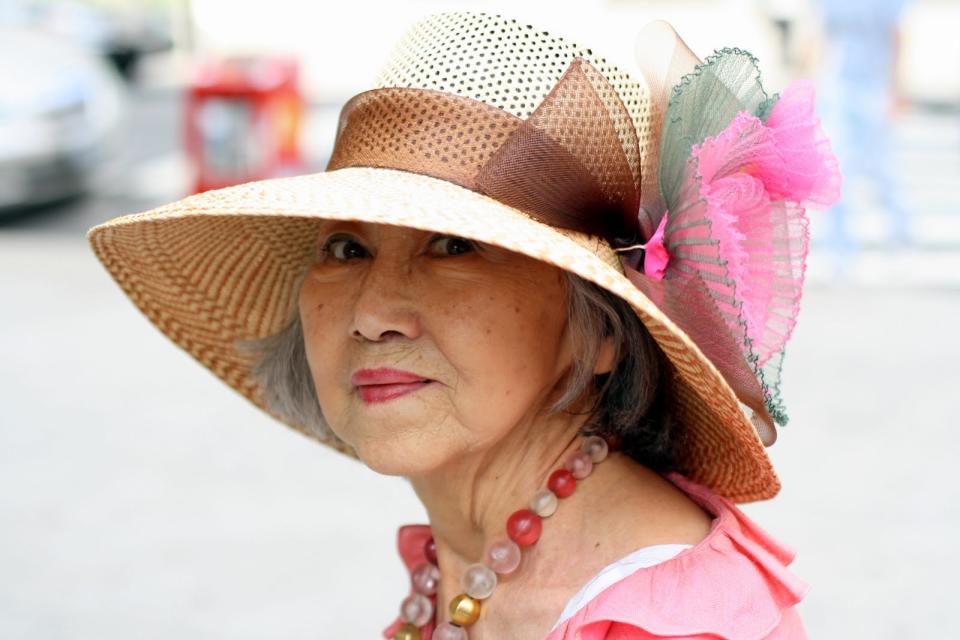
point(502, 557)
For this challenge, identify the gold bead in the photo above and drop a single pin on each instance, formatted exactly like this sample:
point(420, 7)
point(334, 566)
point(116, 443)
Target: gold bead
point(407, 632)
point(464, 610)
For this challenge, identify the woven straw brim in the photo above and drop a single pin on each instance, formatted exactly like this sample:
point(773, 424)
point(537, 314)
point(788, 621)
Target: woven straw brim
point(220, 266)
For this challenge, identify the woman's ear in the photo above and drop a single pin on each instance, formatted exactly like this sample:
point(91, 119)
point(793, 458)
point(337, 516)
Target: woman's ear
point(605, 357)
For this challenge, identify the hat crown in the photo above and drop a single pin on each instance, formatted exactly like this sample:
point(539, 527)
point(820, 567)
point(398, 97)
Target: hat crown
point(501, 62)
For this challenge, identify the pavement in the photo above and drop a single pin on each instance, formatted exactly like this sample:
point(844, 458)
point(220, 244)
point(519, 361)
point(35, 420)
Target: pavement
point(139, 497)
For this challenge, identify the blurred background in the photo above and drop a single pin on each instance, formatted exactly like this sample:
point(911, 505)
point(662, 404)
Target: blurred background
point(141, 498)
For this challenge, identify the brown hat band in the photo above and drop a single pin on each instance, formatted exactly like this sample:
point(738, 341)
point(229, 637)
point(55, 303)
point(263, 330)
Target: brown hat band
point(574, 163)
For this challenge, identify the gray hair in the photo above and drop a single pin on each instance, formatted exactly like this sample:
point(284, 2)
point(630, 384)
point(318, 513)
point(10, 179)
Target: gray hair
point(630, 401)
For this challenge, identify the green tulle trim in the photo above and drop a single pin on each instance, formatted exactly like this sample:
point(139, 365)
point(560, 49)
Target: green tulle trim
point(772, 398)
point(701, 105)
point(763, 111)
point(709, 62)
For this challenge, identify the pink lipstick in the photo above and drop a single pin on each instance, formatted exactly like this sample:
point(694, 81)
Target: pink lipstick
point(382, 384)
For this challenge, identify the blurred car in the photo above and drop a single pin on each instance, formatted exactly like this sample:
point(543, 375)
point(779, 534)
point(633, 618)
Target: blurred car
point(121, 32)
point(61, 111)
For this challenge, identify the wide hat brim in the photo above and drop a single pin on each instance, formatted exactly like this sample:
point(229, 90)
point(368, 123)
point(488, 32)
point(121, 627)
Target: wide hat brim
point(220, 266)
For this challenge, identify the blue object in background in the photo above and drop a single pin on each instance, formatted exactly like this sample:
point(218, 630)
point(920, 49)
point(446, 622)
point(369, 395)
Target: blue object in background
point(855, 95)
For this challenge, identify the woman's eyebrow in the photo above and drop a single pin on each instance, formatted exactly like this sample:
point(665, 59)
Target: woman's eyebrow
point(335, 226)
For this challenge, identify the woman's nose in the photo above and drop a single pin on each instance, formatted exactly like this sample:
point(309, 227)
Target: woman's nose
point(386, 306)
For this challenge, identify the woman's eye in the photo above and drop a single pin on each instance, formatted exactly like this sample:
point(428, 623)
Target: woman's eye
point(453, 245)
point(344, 248)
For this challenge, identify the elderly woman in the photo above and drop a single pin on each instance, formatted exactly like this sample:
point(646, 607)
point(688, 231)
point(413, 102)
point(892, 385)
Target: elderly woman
point(565, 336)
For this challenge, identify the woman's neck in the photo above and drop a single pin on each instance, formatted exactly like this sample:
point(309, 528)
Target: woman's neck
point(469, 500)
point(468, 504)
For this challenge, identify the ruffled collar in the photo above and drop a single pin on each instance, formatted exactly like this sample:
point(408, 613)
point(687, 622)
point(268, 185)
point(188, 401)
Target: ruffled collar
point(734, 584)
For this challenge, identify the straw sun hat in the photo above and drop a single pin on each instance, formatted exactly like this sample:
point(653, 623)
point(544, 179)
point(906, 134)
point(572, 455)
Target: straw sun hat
point(481, 127)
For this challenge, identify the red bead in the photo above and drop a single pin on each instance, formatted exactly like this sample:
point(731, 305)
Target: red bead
point(562, 483)
point(524, 527)
point(614, 441)
point(430, 550)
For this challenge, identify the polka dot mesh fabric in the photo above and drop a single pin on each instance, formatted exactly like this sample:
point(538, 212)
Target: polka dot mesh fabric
point(501, 62)
point(561, 146)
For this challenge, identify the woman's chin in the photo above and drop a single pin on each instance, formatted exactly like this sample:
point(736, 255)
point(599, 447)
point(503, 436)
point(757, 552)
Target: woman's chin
point(396, 461)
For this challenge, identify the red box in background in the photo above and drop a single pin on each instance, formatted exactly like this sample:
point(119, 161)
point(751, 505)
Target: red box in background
point(243, 121)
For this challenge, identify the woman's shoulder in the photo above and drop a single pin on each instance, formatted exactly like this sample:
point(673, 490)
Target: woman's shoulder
point(734, 583)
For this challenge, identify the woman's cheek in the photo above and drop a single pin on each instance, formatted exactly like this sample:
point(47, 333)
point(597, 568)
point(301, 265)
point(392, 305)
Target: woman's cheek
point(313, 337)
point(324, 338)
point(509, 353)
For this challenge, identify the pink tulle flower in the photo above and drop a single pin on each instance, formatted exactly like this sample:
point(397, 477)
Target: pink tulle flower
point(809, 174)
point(755, 179)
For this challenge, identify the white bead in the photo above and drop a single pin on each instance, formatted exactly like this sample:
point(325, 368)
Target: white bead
point(580, 464)
point(596, 447)
point(478, 581)
point(544, 503)
point(416, 609)
point(447, 631)
point(503, 556)
point(426, 578)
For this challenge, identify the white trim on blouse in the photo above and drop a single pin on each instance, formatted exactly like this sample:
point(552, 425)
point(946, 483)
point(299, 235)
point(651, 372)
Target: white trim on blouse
point(643, 557)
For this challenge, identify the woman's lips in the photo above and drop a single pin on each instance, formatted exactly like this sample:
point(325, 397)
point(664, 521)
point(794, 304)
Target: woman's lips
point(382, 384)
point(383, 392)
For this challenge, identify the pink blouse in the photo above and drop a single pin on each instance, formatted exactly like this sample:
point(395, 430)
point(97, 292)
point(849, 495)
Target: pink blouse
point(734, 584)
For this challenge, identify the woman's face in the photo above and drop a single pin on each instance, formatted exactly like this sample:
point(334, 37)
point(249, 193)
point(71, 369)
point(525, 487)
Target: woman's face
point(483, 327)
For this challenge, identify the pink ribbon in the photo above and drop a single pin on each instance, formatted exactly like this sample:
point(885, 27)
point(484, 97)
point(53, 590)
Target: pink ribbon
point(655, 256)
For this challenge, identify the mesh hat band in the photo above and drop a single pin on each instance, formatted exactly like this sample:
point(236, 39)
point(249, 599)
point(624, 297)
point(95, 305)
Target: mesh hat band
point(574, 163)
